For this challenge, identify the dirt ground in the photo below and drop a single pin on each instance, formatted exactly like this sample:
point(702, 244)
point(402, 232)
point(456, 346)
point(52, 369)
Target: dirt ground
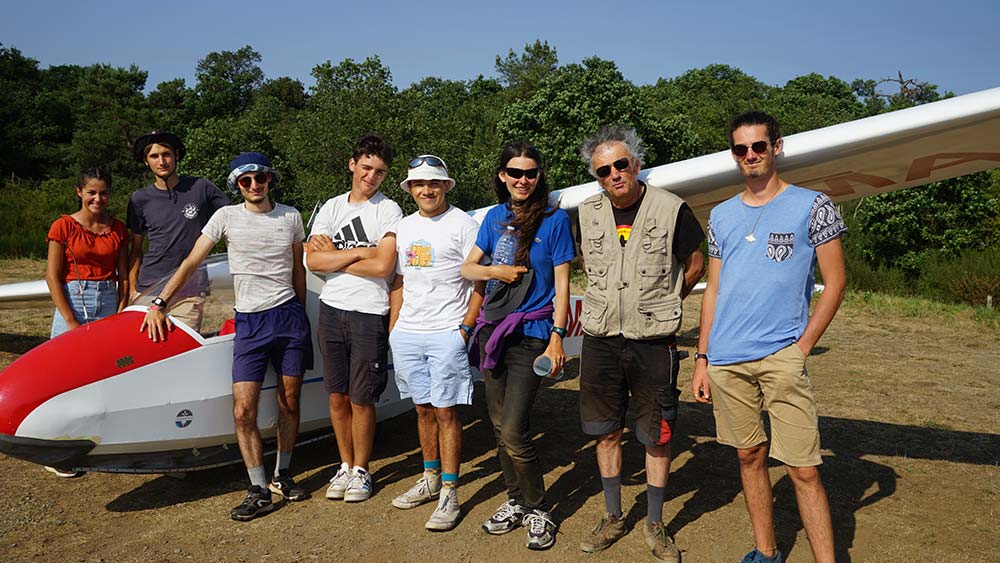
point(909, 407)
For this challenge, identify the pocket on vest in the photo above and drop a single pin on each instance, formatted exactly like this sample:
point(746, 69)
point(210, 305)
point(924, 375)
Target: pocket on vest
point(594, 315)
point(661, 317)
point(654, 275)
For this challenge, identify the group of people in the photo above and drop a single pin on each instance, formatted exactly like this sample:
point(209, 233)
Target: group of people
point(446, 293)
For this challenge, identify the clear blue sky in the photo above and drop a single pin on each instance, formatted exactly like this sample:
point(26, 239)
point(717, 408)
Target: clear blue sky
point(954, 44)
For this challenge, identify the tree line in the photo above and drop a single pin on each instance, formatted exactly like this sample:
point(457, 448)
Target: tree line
point(56, 120)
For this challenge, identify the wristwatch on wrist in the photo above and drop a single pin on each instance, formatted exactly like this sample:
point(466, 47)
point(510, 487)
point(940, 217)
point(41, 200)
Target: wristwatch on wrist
point(468, 330)
point(699, 355)
point(560, 331)
point(158, 303)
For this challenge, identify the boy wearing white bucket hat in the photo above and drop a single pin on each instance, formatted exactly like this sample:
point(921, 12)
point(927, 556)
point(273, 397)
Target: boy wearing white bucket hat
point(432, 312)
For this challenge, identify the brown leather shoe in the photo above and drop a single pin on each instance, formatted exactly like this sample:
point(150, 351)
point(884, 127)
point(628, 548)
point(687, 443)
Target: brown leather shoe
point(608, 531)
point(660, 545)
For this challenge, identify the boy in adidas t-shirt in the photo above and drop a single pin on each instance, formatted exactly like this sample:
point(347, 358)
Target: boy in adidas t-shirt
point(353, 242)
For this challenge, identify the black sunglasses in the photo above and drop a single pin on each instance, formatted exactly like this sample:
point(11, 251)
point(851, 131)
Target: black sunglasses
point(605, 171)
point(428, 160)
point(261, 177)
point(516, 173)
point(758, 147)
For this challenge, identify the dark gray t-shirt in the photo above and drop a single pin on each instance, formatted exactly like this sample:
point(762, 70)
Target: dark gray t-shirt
point(172, 220)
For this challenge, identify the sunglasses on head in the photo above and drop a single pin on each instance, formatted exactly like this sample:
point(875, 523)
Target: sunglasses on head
point(261, 177)
point(605, 171)
point(429, 161)
point(516, 173)
point(758, 147)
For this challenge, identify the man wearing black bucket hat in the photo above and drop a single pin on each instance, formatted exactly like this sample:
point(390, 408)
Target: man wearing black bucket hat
point(264, 240)
point(640, 247)
point(171, 212)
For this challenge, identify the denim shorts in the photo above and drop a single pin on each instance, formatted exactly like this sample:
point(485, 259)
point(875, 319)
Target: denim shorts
point(90, 301)
point(432, 367)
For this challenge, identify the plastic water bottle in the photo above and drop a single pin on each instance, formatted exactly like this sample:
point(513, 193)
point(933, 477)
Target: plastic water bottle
point(503, 254)
point(542, 366)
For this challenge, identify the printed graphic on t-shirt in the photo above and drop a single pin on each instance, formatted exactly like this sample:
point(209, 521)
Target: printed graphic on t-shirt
point(352, 235)
point(190, 211)
point(623, 232)
point(420, 254)
point(779, 246)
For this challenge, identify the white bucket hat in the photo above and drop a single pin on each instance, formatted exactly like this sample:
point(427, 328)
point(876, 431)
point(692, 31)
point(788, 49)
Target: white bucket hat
point(427, 167)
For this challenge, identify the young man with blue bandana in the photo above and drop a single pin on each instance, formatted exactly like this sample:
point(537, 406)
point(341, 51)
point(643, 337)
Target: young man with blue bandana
point(756, 331)
point(264, 240)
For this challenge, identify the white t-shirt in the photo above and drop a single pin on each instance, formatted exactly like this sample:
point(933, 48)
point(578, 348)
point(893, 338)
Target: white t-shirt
point(260, 252)
point(353, 225)
point(431, 251)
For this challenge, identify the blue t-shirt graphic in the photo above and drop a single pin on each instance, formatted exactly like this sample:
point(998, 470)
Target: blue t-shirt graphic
point(553, 245)
point(765, 286)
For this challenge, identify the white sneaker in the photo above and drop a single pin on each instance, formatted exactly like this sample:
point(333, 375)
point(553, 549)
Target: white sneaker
point(359, 488)
point(339, 483)
point(65, 474)
point(427, 488)
point(445, 516)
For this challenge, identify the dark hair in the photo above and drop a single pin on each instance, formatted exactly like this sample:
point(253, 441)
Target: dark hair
point(529, 214)
point(755, 118)
point(373, 145)
point(149, 147)
point(96, 173)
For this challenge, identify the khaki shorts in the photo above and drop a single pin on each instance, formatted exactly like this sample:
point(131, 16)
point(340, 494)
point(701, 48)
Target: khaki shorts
point(189, 310)
point(778, 384)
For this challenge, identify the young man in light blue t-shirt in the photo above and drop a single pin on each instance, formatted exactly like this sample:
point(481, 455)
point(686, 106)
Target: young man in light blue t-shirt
point(756, 331)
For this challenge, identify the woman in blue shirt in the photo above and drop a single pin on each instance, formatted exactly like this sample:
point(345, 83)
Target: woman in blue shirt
point(523, 251)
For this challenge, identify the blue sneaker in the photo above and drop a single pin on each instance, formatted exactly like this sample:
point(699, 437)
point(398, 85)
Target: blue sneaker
point(758, 557)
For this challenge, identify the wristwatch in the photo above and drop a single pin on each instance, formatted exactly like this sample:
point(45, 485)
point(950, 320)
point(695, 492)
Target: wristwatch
point(158, 303)
point(699, 355)
point(560, 331)
point(468, 330)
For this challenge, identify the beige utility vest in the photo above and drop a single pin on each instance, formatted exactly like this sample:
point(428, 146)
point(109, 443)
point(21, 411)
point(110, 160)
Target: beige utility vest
point(634, 291)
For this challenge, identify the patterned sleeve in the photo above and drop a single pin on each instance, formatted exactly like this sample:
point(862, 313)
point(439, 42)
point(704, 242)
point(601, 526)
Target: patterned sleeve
point(825, 222)
point(713, 244)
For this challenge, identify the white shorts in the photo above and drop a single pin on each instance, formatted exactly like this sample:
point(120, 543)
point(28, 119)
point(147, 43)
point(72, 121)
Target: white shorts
point(432, 367)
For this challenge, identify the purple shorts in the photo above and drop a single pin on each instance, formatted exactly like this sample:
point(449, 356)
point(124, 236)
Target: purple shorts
point(280, 335)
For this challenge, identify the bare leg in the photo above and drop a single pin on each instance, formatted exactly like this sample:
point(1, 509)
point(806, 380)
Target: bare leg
point(363, 431)
point(427, 431)
point(451, 439)
point(657, 465)
point(758, 495)
point(609, 454)
point(245, 395)
point(340, 418)
point(815, 511)
point(289, 389)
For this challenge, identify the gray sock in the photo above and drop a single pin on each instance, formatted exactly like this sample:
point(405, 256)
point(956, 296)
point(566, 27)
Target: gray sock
point(613, 495)
point(284, 461)
point(257, 476)
point(654, 498)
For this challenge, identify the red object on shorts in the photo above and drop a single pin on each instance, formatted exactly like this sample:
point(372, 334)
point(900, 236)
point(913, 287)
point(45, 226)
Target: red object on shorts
point(665, 433)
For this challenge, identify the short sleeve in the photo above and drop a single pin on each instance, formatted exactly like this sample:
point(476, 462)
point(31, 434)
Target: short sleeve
point(713, 244)
point(300, 232)
point(59, 231)
point(392, 217)
point(134, 219)
point(825, 222)
point(561, 244)
point(324, 219)
point(216, 198)
point(215, 229)
point(486, 237)
point(687, 233)
point(469, 233)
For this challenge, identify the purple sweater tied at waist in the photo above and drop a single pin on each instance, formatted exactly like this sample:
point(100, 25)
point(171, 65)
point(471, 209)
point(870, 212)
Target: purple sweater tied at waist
point(504, 328)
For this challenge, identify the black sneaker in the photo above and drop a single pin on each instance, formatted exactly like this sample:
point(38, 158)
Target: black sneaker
point(284, 485)
point(257, 503)
point(541, 529)
point(506, 518)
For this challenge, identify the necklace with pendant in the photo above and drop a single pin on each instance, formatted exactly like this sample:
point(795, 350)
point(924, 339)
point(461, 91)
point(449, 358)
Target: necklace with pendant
point(750, 238)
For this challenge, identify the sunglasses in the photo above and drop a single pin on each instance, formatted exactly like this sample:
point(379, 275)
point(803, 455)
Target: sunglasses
point(429, 161)
point(260, 177)
point(605, 171)
point(758, 147)
point(516, 173)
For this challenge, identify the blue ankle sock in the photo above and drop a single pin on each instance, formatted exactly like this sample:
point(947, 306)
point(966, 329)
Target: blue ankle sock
point(433, 466)
point(449, 480)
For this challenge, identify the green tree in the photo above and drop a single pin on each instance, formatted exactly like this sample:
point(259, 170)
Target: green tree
point(227, 82)
point(524, 73)
point(707, 98)
point(811, 101)
point(290, 92)
point(171, 107)
point(111, 116)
